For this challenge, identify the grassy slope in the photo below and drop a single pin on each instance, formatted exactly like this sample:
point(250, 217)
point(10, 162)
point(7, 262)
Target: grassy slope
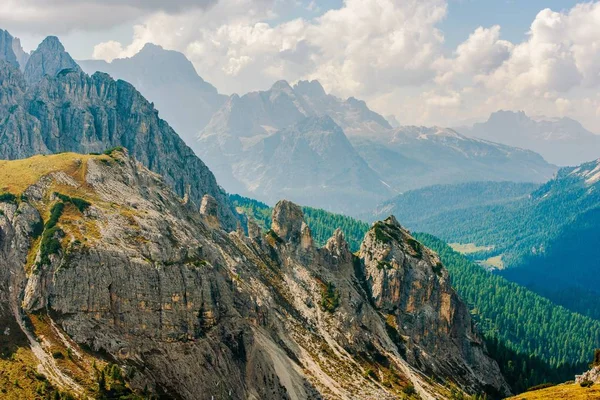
point(570, 391)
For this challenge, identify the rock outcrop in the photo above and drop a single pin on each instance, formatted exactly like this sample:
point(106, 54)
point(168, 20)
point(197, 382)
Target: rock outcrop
point(6, 49)
point(593, 376)
point(127, 270)
point(49, 59)
point(55, 107)
point(409, 285)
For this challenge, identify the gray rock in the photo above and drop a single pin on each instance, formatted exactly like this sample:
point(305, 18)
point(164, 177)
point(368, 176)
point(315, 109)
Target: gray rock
point(67, 110)
point(7, 53)
point(49, 59)
point(199, 313)
point(169, 80)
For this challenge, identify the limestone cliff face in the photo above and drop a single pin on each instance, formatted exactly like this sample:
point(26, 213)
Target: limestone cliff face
point(54, 107)
point(186, 309)
point(410, 286)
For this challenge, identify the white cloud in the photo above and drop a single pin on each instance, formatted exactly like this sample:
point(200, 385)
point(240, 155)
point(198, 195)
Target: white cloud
point(391, 54)
point(481, 53)
point(60, 16)
point(360, 49)
point(108, 50)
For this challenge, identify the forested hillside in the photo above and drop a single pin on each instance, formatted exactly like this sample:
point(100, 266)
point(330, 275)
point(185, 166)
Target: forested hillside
point(422, 204)
point(549, 242)
point(518, 317)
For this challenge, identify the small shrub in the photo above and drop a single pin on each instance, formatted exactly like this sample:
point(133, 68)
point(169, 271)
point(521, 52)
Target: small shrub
point(55, 214)
point(81, 204)
point(271, 233)
point(7, 198)
point(380, 234)
point(120, 149)
point(330, 298)
point(369, 373)
point(586, 383)
point(416, 246)
point(383, 265)
point(409, 390)
point(541, 386)
point(58, 355)
point(437, 268)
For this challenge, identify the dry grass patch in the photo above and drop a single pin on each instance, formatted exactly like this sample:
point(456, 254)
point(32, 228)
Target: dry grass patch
point(566, 391)
point(17, 175)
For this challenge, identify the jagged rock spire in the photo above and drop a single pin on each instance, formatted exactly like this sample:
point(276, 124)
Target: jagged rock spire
point(337, 244)
point(49, 58)
point(288, 223)
point(6, 48)
point(209, 209)
point(253, 229)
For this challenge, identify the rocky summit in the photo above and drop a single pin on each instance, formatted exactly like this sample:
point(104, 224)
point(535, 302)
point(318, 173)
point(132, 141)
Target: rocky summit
point(53, 107)
point(118, 285)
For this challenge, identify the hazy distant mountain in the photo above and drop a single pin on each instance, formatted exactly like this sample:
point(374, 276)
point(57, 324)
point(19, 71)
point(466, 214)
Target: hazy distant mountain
point(170, 81)
point(561, 141)
point(265, 112)
point(311, 162)
point(412, 157)
point(399, 159)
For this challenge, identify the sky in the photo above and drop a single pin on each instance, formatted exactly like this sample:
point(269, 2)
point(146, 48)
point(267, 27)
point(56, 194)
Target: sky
point(427, 62)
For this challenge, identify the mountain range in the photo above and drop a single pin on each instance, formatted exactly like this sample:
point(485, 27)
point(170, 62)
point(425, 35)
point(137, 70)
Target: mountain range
point(227, 132)
point(392, 159)
point(561, 141)
point(126, 272)
point(136, 293)
point(53, 106)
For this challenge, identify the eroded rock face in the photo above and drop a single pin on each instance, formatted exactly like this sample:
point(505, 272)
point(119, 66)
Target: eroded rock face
point(200, 313)
point(287, 221)
point(6, 49)
point(209, 209)
point(54, 107)
point(434, 330)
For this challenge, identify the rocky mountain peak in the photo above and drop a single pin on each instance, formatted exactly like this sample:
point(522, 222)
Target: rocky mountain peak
point(288, 221)
point(310, 88)
point(163, 292)
point(6, 48)
point(410, 285)
point(49, 58)
point(281, 85)
point(22, 55)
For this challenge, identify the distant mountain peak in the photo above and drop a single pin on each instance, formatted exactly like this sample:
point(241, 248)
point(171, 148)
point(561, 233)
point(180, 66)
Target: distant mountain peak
point(281, 85)
point(6, 48)
point(52, 43)
point(310, 88)
point(151, 47)
point(560, 140)
point(49, 59)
